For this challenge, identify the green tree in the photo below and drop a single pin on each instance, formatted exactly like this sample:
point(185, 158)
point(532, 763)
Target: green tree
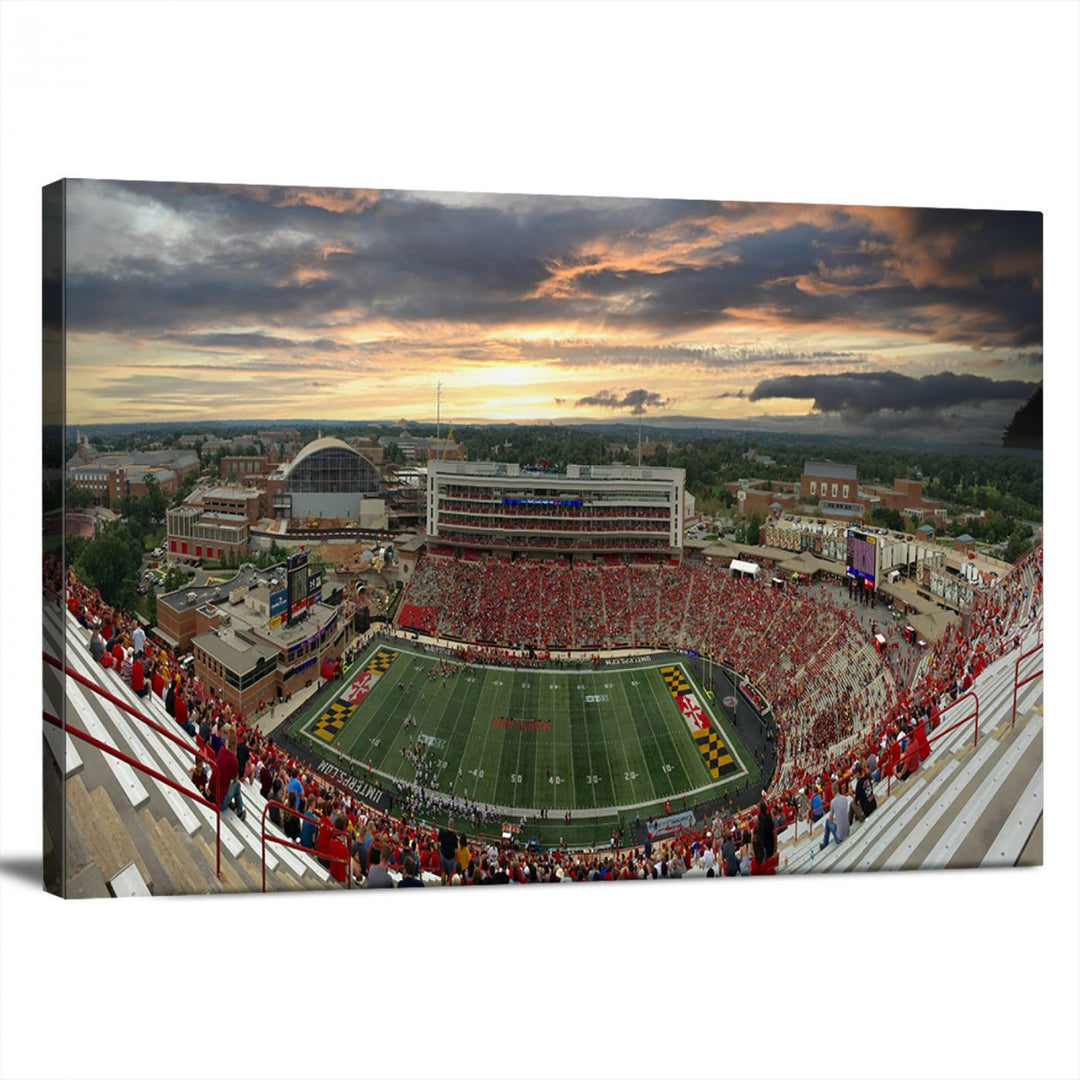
point(76, 496)
point(1016, 547)
point(111, 561)
point(156, 503)
point(175, 578)
point(753, 530)
point(73, 546)
point(1025, 429)
point(888, 519)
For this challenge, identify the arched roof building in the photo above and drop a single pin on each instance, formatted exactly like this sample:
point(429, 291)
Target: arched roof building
point(328, 479)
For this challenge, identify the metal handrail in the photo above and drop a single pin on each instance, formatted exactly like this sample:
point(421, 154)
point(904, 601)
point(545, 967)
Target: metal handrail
point(160, 777)
point(300, 847)
point(1018, 682)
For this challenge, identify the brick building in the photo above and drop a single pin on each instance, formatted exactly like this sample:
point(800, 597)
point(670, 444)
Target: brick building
point(906, 496)
point(239, 501)
point(111, 476)
point(829, 480)
point(243, 470)
point(192, 532)
point(247, 662)
point(236, 651)
point(761, 497)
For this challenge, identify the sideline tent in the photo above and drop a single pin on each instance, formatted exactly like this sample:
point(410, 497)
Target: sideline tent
point(741, 568)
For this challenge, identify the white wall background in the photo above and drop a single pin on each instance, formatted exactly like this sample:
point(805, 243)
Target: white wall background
point(945, 105)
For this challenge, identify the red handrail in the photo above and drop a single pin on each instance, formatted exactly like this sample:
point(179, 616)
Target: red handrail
point(160, 777)
point(1018, 682)
point(300, 847)
point(120, 704)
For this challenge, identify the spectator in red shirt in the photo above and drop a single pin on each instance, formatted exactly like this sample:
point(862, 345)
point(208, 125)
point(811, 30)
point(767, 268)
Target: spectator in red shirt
point(138, 681)
point(339, 849)
point(226, 776)
point(181, 714)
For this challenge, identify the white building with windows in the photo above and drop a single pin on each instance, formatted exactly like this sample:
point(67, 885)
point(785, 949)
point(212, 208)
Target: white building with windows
point(589, 509)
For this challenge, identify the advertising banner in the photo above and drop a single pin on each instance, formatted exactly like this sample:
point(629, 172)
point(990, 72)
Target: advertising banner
point(279, 605)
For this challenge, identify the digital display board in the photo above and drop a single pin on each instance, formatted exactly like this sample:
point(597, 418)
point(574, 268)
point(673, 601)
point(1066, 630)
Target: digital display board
point(541, 502)
point(314, 587)
point(298, 583)
point(862, 555)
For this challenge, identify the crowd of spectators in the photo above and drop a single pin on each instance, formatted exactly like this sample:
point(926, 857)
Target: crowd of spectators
point(837, 749)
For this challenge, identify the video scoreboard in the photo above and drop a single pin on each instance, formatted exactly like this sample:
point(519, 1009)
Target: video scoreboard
point(862, 549)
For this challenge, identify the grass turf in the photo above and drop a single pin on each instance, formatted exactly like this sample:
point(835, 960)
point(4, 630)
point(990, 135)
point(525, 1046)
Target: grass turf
point(607, 743)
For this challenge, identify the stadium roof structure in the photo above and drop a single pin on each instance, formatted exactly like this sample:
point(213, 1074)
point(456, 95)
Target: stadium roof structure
point(931, 625)
point(326, 443)
point(909, 597)
point(830, 469)
point(809, 564)
point(410, 541)
point(773, 554)
point(715, 549)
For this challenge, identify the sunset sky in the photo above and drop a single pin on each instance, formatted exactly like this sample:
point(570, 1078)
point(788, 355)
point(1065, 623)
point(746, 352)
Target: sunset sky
point(198, 302)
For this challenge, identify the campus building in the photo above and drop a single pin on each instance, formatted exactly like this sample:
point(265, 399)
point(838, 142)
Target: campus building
point(193, 532)
point(761, 497)
point(329, 480)
point(239, 469)
point(242, 647)
point(589, 509)
point(426, 448)
point(111, 476)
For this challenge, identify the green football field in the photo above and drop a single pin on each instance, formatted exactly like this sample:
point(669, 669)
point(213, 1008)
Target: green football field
point(604, 743)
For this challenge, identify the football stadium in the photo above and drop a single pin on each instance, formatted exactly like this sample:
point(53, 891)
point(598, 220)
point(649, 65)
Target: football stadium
point(559, 749)
point(563, 691)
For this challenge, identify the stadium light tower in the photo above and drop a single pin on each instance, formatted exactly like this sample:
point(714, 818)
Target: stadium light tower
point(438, 416)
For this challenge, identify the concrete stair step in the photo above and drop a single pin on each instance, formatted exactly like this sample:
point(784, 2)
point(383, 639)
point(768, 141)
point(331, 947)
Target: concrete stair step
point(86, 884)
point(94, 819)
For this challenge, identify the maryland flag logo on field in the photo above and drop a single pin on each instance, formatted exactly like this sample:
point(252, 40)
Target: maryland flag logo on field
point(381, 661)
point(706, 737)
point(712, 749)
point(675, 679)
point(333, 720)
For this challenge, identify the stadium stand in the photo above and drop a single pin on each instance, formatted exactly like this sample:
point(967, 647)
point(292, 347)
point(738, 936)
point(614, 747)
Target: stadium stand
point(836, 701)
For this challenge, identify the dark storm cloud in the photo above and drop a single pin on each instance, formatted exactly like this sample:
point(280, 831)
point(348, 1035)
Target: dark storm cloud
point(573, 353)
point(873, 392)
point(311, 258)
point(253, 340)
point(637, 401)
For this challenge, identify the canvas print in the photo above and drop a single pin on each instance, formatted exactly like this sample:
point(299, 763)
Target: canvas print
point(422, 539)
